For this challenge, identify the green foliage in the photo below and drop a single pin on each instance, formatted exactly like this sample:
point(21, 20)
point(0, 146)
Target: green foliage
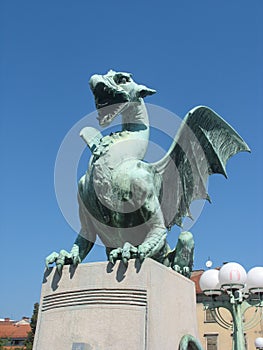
point(33, 324)
point(2, 343)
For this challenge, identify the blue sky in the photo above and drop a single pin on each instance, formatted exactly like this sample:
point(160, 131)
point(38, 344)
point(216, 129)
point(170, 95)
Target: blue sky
point(191, 52)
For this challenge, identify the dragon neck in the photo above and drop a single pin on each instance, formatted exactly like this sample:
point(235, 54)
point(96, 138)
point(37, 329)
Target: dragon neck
point(135, 121)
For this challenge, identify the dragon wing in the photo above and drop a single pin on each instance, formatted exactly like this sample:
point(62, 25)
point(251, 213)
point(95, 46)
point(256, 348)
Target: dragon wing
point(202, 146)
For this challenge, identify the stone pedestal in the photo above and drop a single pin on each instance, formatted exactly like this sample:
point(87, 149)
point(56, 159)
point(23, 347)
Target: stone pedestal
point(97, 306)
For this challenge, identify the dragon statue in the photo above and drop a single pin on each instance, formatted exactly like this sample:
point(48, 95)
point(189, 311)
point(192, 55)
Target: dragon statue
point(131, 204)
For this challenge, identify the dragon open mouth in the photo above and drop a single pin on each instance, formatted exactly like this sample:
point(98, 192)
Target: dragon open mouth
point(112, 111)
point(109, 101)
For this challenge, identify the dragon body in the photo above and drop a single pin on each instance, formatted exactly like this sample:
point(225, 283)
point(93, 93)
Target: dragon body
point(131, 204)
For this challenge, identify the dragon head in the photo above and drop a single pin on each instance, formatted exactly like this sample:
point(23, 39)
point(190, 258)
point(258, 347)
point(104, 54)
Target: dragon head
point(114, 92)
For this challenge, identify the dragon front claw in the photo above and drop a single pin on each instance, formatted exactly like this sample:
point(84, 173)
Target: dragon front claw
point(146, 250)
point(127, 252)
point(51, 258)
point(114, 255)
point(63, 258)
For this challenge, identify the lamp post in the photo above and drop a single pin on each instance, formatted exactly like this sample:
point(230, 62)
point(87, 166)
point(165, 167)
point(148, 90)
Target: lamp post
point(233, 289)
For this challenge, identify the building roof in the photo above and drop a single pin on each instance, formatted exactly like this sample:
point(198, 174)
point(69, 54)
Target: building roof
point(195, 277)
point(9, 329)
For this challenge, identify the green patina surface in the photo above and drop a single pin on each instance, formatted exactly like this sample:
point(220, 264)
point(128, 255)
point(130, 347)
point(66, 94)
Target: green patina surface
point(130, 204)
point(188, 342)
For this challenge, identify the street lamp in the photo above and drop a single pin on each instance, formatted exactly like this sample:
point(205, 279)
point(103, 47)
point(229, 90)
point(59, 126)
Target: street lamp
point(233, 289)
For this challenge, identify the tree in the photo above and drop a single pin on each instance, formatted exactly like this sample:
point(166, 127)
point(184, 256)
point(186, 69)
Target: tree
point(33, 324)
point(2, 343)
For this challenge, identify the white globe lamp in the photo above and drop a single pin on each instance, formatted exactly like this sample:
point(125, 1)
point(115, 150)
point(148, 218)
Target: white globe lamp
point(209, 282)
point(255, 280)
point(232, 276)
point(259, 343)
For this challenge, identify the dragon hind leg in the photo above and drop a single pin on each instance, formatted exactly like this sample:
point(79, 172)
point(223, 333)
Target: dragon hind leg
point(182, 257)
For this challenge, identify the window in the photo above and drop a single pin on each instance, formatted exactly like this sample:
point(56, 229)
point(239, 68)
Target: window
point(211, 341)
point(17, 342)
point(209, 316)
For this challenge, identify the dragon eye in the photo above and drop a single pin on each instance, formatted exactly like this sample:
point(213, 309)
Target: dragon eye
point(121, 79)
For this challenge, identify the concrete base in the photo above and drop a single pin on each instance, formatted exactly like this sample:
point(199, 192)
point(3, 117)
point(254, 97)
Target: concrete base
point(97, 306)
